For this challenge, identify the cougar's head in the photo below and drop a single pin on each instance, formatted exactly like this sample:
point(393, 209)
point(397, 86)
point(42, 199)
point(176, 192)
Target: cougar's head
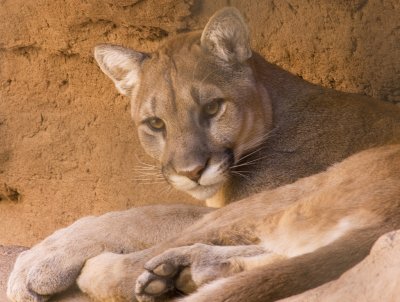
point(195, 101)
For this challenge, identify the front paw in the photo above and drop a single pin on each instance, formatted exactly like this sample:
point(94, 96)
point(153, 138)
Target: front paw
point(41, 272)
point(167, 274)
point(17, 287)
point(184, 269)
point(111, 277)
point(164, 282)
point(51, 266)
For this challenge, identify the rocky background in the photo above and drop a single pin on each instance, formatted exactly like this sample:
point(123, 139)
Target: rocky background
point(67, 145)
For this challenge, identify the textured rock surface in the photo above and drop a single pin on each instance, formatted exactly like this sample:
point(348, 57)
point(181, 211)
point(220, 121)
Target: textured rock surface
point(376, 278)
point(67, 144)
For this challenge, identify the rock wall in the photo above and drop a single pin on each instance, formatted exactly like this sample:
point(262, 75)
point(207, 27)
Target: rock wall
point(67, 145)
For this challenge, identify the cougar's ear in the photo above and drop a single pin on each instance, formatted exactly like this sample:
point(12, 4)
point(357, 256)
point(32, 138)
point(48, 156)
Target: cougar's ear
point(226, 35)
point(121, 64)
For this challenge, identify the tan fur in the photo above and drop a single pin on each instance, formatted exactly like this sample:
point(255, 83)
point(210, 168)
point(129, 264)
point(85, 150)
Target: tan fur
point(290, 228)
point(365, 189)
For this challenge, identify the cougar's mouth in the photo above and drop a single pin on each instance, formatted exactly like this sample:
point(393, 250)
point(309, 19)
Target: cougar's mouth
point(204, 188)
point(211, 180)
point(204, 192)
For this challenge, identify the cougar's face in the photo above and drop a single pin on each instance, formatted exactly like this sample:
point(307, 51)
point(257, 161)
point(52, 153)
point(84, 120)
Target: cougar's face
point(197, 117)
point(195, 101)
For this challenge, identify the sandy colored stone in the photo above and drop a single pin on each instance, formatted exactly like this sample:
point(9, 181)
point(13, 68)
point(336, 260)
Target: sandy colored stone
point(376, 278)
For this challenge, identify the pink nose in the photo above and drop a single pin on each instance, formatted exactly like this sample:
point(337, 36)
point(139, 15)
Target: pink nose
point(193, 174)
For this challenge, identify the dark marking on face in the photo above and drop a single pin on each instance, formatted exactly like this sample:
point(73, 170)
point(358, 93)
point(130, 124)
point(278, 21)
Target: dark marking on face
point(231, 156)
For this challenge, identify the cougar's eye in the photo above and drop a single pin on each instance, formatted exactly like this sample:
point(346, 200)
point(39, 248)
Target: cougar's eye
point(155, 123)
point(211, 109)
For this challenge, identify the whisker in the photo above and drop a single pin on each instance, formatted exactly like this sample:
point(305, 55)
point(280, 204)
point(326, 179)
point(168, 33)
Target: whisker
point(147, 178)
point(240, 174)
point(145, 164)
point(242, 171)
point(241, 165)
point(248, 163)
point(146, 169)
point(152, 183)
point(149, 173)
point(143, 167)
point(255, 142)
point(251, 153)
point(252, 161)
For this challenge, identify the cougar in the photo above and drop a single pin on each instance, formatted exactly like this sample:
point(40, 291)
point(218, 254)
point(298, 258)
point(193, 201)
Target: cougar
point(305, 178)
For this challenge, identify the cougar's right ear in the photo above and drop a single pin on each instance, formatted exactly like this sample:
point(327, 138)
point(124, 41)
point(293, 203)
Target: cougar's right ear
point(226, 36)
point(122, 65)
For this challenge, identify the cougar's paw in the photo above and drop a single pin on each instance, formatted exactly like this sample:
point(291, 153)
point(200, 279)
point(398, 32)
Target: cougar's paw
point(40, 272)
point(51, 266)
point(17, 289)
point(166, 275)
point(109, 277)
point(184, 269)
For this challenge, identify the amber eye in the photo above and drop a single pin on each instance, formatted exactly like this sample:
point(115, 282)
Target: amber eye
point(155, 123)
point(211, 109)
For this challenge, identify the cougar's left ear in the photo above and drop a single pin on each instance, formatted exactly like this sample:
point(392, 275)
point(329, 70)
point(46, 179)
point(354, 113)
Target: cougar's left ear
point(122, 65)
point(226, 36)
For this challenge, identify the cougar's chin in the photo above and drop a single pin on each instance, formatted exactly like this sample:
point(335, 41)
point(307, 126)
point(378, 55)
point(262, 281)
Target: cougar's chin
point(203, 189)
point(205, 192)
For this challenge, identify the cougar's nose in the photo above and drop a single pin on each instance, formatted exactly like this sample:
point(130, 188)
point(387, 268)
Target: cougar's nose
point(193, 173)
